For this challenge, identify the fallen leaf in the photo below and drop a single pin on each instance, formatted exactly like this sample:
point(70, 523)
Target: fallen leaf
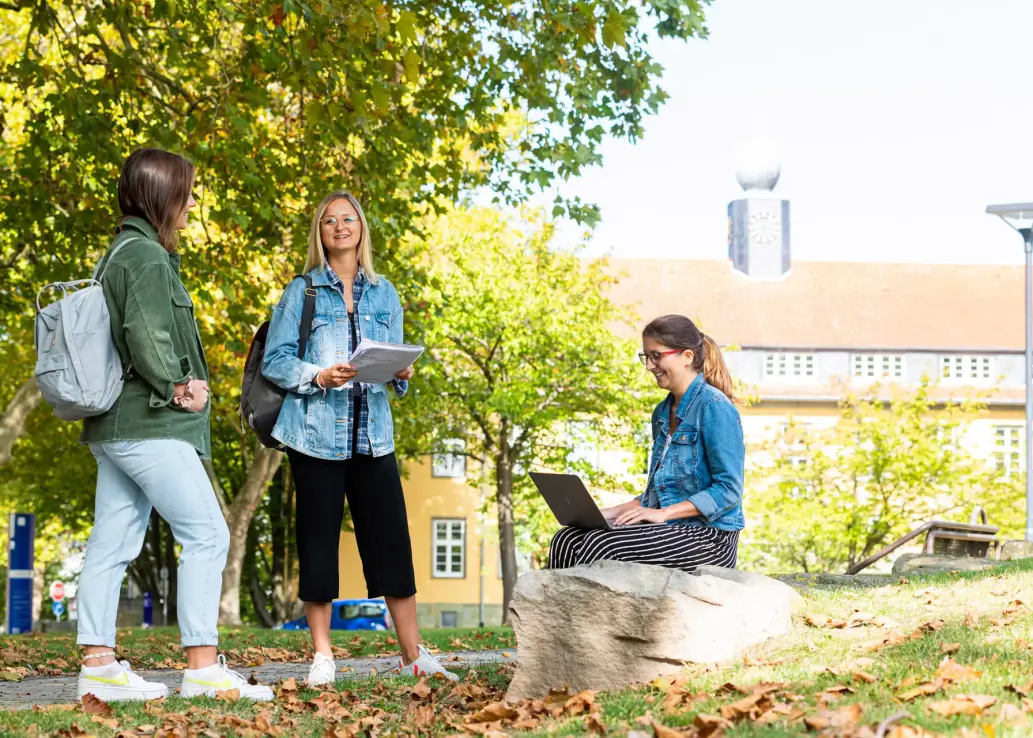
point(834, 693)
point(289, 685)
point(843, 717)
point(1012, 715)
point(820, 621)
point(94, 706)
point(963, 705)
point(594, 724)
point(971, 620)
point(951, 671)
point(863, 676)
point(922, 690)
point(507, 655)
point(109, 723)
point(421, 691)
point(949, 648)
point(932, 625)
point(493, 712)
point(580, 703)
point(710, 726)
point(227, 695)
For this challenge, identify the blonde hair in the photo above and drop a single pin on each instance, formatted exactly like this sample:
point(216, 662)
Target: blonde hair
point(678, 332)
point(317, 254)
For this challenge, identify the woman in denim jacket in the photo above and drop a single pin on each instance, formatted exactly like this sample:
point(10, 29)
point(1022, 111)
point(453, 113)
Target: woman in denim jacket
point(691, 511)
point(339, 434)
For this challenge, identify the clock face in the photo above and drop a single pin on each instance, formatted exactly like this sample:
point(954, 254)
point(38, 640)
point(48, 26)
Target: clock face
point(764, 227)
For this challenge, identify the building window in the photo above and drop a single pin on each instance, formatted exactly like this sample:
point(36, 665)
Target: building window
point(878, 366)
point(449, 548)
point(451, 463)
point(449, 619)
point(794, 439)
point(967, 368)
point(778, 366)
point(1008, 449)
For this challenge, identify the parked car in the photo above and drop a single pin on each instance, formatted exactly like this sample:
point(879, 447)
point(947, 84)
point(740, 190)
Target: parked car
point(351, 615)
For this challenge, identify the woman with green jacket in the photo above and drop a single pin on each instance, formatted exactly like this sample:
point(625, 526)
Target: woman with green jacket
point(149, 446)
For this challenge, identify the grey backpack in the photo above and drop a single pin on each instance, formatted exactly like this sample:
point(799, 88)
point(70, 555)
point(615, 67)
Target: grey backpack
point(78, 370)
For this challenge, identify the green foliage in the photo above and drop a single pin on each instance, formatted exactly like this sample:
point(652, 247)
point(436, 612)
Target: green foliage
point(824, 499)
point(407, 104)
point(523, 361)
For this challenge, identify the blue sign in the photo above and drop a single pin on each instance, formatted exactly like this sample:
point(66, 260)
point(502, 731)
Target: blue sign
point(58, 608)
point(20, 558)
point(148, 610)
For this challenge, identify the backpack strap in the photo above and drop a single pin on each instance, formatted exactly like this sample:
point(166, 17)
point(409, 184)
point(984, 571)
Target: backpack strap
point(307, 312)
point(109, 256)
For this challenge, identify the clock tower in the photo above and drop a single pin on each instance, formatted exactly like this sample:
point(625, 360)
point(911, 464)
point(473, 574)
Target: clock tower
point(758, 223)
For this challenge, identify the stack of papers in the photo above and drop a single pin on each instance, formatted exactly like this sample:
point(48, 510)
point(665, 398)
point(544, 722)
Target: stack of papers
point(378, 363)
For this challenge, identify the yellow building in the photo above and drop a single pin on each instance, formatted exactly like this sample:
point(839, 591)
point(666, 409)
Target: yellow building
point(798, 335)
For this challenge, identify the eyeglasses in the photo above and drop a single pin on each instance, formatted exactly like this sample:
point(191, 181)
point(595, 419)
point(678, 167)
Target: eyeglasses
point(655, 356)
point(347, 220)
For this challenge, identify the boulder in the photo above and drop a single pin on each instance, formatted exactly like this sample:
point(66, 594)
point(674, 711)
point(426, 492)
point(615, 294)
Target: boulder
point(612, 624)
point(1013, 550)
point(921, 563)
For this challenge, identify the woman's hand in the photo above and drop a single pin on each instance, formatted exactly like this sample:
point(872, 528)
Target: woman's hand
point(192, 396)
point(405, 374)
point(642, 515)
point(335, 376)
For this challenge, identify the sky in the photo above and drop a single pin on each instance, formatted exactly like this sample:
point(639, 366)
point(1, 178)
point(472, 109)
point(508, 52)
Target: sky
point(895, 121)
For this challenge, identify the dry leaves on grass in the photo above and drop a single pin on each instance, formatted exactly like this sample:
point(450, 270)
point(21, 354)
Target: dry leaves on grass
point(963, 704)
point(855, 620)
point(91, 705)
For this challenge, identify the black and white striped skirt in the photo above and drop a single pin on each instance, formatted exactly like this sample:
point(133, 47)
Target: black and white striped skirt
point(684, 547)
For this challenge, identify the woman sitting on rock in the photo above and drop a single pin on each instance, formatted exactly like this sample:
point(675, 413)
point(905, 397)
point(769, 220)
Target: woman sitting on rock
point(691, 511)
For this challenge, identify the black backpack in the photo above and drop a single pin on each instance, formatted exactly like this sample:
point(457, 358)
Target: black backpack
point(260, 399)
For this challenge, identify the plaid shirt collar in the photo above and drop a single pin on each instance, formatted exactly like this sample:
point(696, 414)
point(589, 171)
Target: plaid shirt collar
point(337, 284)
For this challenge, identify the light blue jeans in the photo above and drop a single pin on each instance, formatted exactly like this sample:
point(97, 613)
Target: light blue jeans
point(133, 476)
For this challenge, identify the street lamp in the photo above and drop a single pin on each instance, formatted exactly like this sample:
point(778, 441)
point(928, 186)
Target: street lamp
point(1019, 217)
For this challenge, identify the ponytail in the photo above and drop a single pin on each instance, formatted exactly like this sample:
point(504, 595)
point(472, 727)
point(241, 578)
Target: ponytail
point(678, 332)
point(715, 371)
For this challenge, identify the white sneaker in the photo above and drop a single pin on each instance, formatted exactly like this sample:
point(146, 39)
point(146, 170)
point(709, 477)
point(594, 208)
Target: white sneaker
point(322, 672)
point(217, 678)
point(426, 665)
point(116, 681)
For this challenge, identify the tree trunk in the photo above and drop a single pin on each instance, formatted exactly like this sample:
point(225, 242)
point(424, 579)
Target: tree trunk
point(258, 598)
point(264, 463)
point(281, 517)
point(507, 538)
point(12, 423)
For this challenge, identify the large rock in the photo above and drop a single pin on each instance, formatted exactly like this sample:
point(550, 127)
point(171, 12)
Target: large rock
point(612, 624)
point(1014, 550)
point(922, 563)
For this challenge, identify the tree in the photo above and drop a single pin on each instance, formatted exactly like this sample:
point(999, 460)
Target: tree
point(825, 499)
point(520, 344)
point(402, 103)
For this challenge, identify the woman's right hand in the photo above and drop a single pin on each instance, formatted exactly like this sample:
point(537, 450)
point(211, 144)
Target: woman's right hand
point(335, 376)
point(192, 397)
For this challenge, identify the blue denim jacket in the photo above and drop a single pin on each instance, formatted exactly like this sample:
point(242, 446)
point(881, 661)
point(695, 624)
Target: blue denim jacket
point(312, 421)
point(702, 462)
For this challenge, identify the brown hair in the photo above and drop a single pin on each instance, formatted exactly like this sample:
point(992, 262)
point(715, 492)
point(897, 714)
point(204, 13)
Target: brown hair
point(678, 332)
point(155, 185)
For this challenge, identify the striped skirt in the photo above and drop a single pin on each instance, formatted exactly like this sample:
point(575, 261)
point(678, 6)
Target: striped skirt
point(684, 547)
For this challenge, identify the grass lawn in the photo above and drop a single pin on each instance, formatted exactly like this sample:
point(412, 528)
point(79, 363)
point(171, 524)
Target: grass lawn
point(945, 655)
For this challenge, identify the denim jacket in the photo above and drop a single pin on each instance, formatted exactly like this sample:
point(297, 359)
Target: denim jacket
point(702, 462)
point(313, 421)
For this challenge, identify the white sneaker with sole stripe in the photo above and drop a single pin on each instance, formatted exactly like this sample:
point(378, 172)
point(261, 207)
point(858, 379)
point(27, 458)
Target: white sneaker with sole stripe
point(117, 681)
point(426, 665)
point(218, 678)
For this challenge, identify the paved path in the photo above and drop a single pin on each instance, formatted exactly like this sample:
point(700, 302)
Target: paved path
point(52, 690)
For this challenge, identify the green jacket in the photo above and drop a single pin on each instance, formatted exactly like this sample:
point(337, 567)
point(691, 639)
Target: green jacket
point(152, 322)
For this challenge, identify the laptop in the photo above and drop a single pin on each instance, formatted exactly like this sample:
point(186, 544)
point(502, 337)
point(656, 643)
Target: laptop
point(569, 500)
